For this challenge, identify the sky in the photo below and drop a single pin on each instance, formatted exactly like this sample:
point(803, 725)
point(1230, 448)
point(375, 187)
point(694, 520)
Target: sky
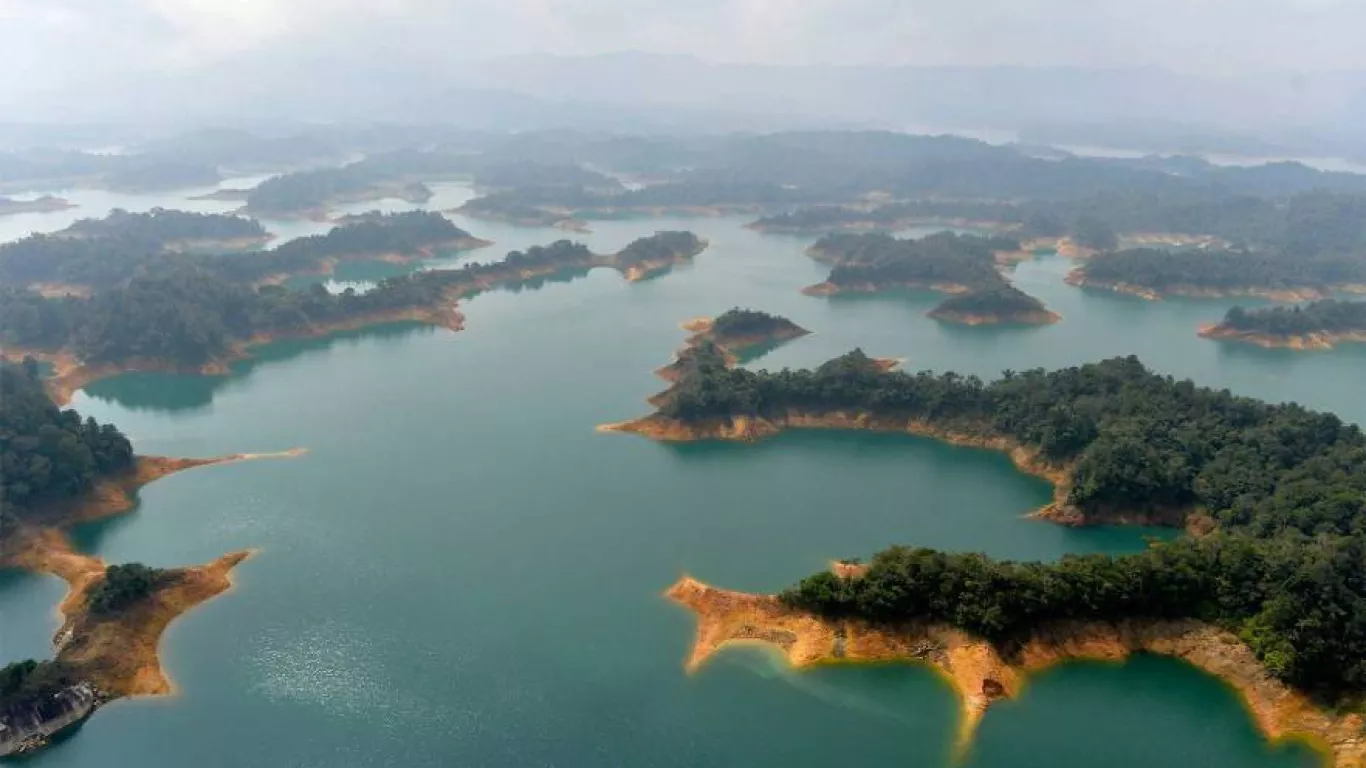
point(208, 60)
point(54, 43)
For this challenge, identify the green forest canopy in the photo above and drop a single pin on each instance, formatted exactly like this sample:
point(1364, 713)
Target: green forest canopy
point(1224, 269)
point(48, 453)
point(1286, 486)
point(1326, 316)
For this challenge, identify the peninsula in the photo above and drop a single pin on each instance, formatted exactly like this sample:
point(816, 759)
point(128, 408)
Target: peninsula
point(982, 671)
point(173, 230)
point(1152, 273)
point(95, 254)
point(113, 616)
point(44, 204)
point(1317, 325)
point(185, 318)
point(1257, 485)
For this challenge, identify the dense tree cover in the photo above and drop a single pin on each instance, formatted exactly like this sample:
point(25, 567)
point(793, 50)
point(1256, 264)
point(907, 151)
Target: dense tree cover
point(737, 322)
point(27, 686)
point(102, 252)
point(122, 587)
point(188, 314)
point(85, 261)
point(1326, 316)
point(1298, 602)
point(373, 234)
point(1004, 300)
point(1223, 269)
point(317, 189)
point(1287, 487)
point(163, 225)
point(45, 452)
point(1307, 223)
point(107, 252)
point(508, 206)
point(1137, 440)
point(940, 258)
point(660, 245)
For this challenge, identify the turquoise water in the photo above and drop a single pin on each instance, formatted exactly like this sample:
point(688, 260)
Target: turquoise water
point(462, 572)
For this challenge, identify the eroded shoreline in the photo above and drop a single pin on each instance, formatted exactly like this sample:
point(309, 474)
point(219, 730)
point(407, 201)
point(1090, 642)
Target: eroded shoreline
point(980, 675)
point(115, 653)
point(1026, 459)
point(1078, 278)
point(1316, 340)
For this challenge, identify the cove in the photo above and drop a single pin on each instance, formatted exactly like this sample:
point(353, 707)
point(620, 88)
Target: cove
point(462, 572)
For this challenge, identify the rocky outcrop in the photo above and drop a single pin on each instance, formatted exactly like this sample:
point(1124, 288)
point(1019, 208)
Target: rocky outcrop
point(33, 726)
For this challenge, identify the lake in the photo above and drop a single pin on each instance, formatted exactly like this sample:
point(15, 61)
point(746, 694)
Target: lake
point(462, 572)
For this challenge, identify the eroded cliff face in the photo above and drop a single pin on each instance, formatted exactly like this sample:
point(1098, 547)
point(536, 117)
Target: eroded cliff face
point(31, 727)
point(982, 675)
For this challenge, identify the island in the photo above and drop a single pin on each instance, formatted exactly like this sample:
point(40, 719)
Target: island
point(1317, 325)
point(186, 317)
point(309, 194)
point(173, 230)
point(395, 238)
point(741, 331)
point(1265, 593)
point(1152, 273)
point(968, 267)
point(61, 471)
point(94, 254)
point(999, 305)
point(44, 204)
point(945, 262)
point(724, 341)
point(509, 207)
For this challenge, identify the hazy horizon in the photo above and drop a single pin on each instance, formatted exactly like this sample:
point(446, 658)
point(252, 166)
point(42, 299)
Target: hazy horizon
point(1264, 76)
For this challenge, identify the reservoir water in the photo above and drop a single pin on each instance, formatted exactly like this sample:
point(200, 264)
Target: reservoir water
point(462, 572)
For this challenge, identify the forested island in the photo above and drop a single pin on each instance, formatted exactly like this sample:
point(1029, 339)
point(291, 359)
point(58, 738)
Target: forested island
point(1317, 325)
point(1275, 495)
point(999, 305)
point(966, 266)
point(739, 330)
point(94, 254)
point(944, 262)
point(1152, 273)
point(174, 230)
point(60, 471)
point(730, 337)
point(42, 204)
point(309, 194)
point(398, 238)
point(509, 207)
point(189, 317)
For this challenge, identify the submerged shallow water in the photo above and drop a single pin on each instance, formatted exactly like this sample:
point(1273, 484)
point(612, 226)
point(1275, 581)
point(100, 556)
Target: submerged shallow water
point(462, 572)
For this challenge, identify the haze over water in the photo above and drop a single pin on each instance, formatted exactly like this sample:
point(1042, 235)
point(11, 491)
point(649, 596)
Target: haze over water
point(462, 572)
